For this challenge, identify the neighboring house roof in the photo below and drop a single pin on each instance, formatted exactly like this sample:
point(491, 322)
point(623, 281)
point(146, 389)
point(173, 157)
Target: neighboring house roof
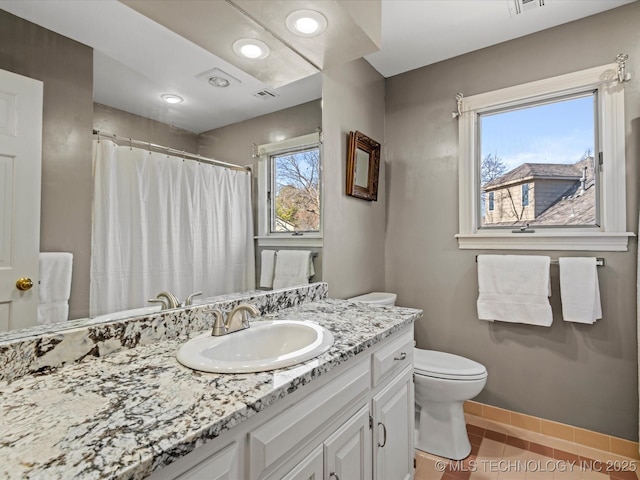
point(529, 171)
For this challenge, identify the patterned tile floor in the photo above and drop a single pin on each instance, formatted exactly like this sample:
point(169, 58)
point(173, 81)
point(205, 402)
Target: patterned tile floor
point(504, 452)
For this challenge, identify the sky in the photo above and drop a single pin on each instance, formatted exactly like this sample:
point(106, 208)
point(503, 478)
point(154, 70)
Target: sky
point(559, 132)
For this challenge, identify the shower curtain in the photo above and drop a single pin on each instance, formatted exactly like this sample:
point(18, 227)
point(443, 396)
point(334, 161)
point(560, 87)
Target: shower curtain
point(164, 223)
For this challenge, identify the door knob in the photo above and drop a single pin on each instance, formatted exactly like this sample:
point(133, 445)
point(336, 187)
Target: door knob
point(24, 283)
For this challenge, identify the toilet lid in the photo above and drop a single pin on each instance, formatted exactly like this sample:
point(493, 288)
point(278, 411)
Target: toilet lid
point(446, 365)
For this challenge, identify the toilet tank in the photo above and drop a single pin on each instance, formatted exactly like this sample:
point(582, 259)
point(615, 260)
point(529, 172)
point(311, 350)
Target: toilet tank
point(377, 298)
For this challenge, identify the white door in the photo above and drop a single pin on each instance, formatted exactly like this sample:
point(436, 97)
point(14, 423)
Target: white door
point(393, 419)
point(347, 453)
point(20, 166)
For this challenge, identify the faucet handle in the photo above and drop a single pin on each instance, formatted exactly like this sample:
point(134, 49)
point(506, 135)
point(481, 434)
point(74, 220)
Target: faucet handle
point(189, 300)
point(219, 327)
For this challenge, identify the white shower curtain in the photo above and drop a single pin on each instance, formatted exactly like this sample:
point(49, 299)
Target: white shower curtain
point(164, 223)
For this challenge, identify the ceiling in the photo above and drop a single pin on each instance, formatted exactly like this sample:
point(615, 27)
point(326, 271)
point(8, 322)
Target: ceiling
point(136, 59)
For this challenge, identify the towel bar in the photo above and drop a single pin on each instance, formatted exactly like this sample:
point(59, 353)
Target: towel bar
point(600, 262)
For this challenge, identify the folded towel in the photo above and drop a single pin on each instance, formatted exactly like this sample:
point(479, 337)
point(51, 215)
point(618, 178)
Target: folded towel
point(53, 312)
point(514, 288)
point(579, 290)
point(267, 267)
point(55, 277)
point(293, 267)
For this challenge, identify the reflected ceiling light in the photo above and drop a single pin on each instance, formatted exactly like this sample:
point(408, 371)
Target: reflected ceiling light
point(219, 82)
point(171, 98)
point(306, 23)
point(251, 48)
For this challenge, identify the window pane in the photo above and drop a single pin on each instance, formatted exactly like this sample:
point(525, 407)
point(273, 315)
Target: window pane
point(295, 193)
point(537, 165)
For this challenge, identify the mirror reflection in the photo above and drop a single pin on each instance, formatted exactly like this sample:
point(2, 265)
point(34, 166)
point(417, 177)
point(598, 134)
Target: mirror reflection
point(362, 168)
point(82, 91)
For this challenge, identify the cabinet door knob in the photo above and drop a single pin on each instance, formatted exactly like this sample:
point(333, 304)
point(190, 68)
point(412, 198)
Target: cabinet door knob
point(402, 356)
point(24, 284)
point(384, 434)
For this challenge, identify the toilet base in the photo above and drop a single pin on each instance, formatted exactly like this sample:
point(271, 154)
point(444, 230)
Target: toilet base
point(441, 430)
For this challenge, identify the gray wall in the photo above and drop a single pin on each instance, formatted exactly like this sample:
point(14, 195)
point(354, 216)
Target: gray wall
point(66, 68)
point(354, 229)
point(114, 121)
point(583, 375)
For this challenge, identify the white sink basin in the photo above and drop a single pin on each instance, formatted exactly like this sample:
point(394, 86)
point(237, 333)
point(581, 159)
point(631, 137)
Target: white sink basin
point(266, 345)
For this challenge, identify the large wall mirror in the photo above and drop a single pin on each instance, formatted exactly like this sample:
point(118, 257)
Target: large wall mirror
point(224, 126)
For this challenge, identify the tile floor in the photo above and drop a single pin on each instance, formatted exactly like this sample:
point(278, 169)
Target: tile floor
point(504, 452)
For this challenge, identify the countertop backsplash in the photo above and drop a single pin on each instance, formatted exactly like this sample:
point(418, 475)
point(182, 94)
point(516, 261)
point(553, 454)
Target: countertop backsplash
point(42, 349)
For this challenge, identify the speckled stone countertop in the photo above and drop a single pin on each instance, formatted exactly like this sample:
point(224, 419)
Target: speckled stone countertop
point(127, 414)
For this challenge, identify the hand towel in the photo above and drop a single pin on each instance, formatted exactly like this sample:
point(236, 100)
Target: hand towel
point(514, 288)
point(293, 267)
point(53, 312)
point(579, 290)
point(267, 268)
point(55, 276)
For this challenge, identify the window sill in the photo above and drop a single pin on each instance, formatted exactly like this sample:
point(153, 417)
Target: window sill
point(579, 241)
point(289, 240)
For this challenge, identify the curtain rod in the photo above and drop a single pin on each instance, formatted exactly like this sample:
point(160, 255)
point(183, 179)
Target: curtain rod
point(191, 156)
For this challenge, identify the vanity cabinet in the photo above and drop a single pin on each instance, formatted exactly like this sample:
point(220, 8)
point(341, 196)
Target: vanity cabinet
point(352, 423)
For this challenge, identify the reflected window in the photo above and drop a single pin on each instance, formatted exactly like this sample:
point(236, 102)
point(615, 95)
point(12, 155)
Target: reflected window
point(295, 191)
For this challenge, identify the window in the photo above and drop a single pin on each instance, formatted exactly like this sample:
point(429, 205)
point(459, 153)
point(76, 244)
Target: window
point(295, 191)
point(289, 186)
point(525, 195)
point(549, 154)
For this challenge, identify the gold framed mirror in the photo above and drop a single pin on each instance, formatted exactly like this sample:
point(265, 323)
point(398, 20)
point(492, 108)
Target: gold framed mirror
point(363, 164)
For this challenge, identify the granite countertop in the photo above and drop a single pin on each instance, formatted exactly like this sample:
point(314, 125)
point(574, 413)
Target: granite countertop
point(129, 413)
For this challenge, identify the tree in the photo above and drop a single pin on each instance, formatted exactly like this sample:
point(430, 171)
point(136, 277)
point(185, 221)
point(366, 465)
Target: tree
point(491, 168)
point(297, 179)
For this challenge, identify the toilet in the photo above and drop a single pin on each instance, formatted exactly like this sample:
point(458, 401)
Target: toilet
point(443, 382)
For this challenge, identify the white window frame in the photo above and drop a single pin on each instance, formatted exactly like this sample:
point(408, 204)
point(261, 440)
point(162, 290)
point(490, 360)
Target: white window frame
point(265, 236)
point(611, 235)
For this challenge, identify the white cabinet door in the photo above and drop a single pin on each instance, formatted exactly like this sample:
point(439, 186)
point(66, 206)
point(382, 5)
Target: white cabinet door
point(347, 452)
point(223, 465)
point(309, 469)
point(393, 420)
point(20, 159)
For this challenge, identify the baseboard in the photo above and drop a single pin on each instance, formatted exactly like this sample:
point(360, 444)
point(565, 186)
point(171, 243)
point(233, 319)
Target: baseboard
point(581, 436)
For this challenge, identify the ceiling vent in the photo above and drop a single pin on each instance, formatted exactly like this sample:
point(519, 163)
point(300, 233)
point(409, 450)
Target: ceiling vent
point(516, 7)
point(265, 94)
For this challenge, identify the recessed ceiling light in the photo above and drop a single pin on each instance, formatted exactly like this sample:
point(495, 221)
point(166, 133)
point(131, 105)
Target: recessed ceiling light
point(219, 82)
point(251, 48)
point(306, 23)
point(171, 98)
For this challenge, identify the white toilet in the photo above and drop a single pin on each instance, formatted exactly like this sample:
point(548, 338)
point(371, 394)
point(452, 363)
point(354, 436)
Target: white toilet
point(443, 383)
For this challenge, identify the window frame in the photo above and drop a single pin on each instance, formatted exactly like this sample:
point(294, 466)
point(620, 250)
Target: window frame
point(611, 234)
point(265, 236)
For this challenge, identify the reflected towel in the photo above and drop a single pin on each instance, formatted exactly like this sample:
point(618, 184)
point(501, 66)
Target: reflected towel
point(293, 267)
point(267, 268)
point(579, 290)
point(514, 288)
point(55, 276)
point(53, 312)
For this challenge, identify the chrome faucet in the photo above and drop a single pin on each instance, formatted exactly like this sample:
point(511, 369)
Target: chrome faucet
point(222, 326)
point(189, 301)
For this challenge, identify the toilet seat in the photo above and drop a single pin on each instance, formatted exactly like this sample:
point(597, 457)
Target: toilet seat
point(435, 364)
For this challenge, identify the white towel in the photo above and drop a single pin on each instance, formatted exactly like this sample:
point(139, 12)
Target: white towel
point(53, 312)
point(514, 288)
point(579, 290)
point(55, 276)
point(267, 268)
point(293, 267)
point(55, 286)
